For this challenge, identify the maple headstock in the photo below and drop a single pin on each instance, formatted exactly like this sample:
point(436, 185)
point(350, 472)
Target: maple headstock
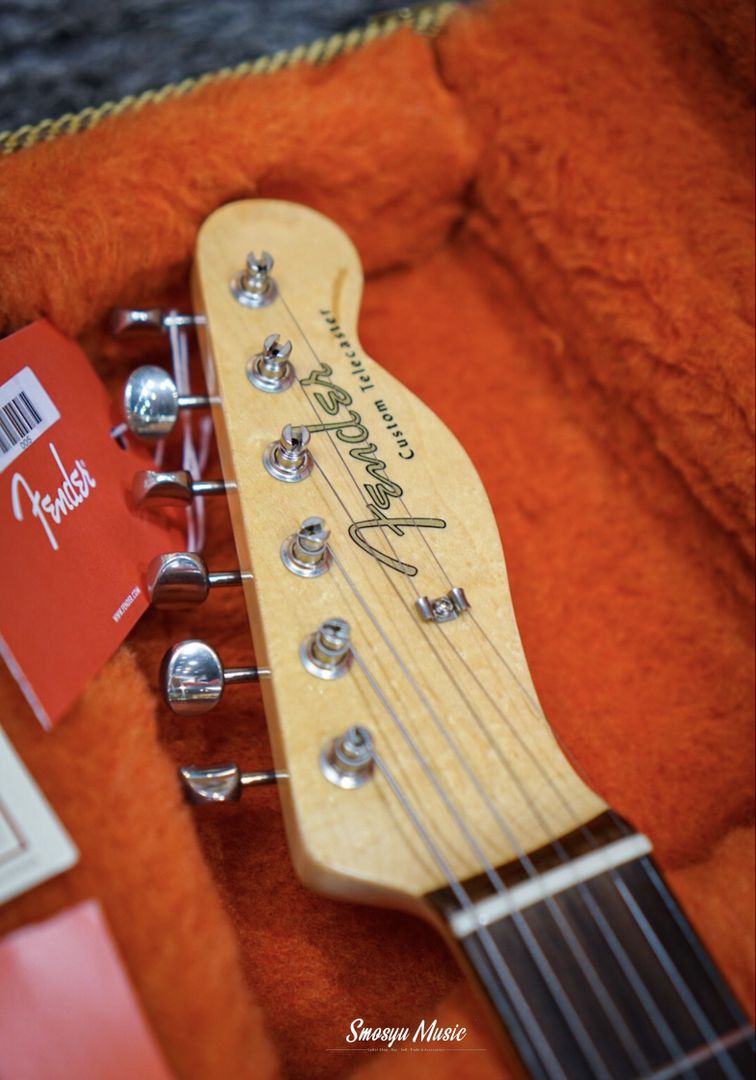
point(443, 689)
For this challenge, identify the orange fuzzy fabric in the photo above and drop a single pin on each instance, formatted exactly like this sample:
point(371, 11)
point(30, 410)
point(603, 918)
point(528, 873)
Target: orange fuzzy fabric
point(553, 204)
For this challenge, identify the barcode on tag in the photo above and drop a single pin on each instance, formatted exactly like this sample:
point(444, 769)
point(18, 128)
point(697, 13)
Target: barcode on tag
point(26, 412)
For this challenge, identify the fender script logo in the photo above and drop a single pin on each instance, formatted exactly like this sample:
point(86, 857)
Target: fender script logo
point(396, 525)
point(349, 428)
point(75, 488)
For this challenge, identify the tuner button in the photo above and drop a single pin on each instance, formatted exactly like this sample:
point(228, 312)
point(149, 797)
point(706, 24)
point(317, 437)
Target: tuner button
point(221, 783)
point(169, 488)
point(181, 578)
point(151, 402)
point(193, 679)
point(126, 319)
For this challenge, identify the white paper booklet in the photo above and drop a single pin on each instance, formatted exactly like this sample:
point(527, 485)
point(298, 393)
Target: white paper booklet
point(34, 846)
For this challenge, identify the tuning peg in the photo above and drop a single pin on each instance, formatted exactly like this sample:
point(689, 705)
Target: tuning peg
point(328, 652)
point(167, 488)
point(253, 286)
point(151, 402)
point(222, 783)
point(181, 578)
point(271, 370)
point(126, 319)
point(306, 552)
point(193, 679)
point(288, 458)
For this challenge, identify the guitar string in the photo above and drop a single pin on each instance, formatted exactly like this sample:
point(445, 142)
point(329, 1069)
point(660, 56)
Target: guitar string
point(699, 1017)
point(552, 982)
point(540, 1043)
point(662, 954)
point(647, 864)
point(590, 1051)
point(471, 613)
point(596, 984)
point(693, 941)
point(669, 966)
point(673, 1047)
point(671, 1043)
point(721, 1052)
point(355, 482)
point(676, 1067)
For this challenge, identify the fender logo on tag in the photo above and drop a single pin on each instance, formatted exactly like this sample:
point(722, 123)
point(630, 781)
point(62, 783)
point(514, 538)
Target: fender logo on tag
point(74, 550)
point(75, 488)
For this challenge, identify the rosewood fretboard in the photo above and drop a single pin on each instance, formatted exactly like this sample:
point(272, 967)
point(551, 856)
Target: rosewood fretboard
point(602, 979)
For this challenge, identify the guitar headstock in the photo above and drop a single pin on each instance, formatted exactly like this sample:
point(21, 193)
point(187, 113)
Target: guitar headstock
point(397, 695)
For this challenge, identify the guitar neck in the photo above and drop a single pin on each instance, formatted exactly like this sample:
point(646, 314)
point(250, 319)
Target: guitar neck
point(593, 968)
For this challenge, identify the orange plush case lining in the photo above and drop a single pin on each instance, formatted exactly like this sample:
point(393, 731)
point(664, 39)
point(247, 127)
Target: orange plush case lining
point(552, 203)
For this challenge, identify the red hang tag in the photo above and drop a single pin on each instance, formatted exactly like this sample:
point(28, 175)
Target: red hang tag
point(74, 549)
point(67, 1008)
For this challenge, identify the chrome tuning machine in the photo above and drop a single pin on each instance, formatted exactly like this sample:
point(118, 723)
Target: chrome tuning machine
point(173, 488)
point(253, 286)
point(306, 552)
point(348, 761)
point(288, 459)
point(181, 579)
point(125, 320)
point(271, 370)
point(151, 402)
point(327, 653)
point(193, 679)
point(222, 783)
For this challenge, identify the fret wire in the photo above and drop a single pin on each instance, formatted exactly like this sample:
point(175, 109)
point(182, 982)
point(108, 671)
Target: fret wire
point(504, 662)
point(588, 1047)
point(673, 974)
point(652, 1010)
point(600, 991)
point(631, 974)
point(646, 999)
point(662, 954)
point(697, 1057)
point(703, 957)
point(540, 1043)
point(667, 961)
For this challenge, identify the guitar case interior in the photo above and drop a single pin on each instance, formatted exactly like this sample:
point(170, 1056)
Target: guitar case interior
point(551, 199)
